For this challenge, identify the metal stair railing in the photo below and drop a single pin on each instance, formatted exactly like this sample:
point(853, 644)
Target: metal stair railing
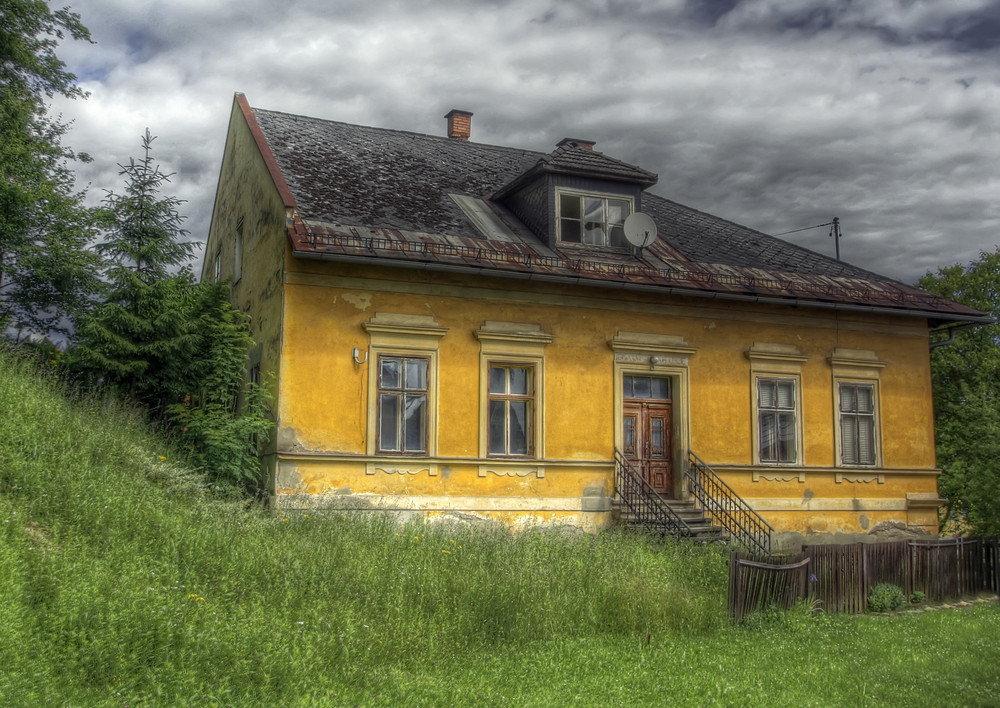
point(643, 503)
point(745, 526)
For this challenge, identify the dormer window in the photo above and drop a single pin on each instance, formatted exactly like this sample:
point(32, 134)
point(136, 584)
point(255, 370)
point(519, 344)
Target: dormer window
point(592, 219)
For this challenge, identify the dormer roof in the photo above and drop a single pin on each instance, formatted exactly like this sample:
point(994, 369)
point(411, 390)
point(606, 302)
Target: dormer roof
point(579, 159)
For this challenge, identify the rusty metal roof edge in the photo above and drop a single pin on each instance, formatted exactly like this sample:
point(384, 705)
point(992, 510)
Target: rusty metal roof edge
point(934, 315)
point(728, 278)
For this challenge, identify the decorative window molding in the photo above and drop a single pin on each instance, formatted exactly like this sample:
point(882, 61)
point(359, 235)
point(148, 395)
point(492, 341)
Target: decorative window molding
point(512, 389)
point(512, 471)
point(592, 218)
point(501, 337)
point(657, 351)
point(391, 468)
point(855, 363)
point(645, 354)
point(405, 339)
point(776, 383)
point(775, 358)
point(860, 477)
point(775, 475)
point(404, 330)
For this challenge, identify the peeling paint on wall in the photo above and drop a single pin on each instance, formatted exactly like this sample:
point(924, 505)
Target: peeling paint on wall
point(287, 439)
point(288, 476)
point(362, 301)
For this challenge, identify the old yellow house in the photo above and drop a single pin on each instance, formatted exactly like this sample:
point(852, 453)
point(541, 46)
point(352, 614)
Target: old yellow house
point(465, 329)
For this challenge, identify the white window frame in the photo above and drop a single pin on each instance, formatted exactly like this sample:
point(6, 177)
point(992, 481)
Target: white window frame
point(402, 392)
point(581, 194)
point(507, 398)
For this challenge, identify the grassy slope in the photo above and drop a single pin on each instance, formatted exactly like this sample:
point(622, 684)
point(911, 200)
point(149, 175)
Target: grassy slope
point(127, 581)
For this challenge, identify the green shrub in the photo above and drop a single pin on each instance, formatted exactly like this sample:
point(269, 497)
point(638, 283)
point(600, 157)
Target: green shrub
point(885, 597)
point(917, 597)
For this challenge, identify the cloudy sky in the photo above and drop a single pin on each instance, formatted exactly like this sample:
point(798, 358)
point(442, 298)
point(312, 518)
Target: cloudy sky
point(776, 114)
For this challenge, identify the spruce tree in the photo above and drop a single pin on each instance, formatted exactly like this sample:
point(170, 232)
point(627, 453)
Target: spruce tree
point(177, 347)
point(138, 334)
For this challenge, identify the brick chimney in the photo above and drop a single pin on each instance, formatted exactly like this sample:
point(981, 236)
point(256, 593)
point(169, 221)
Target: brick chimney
point(577, 142)
point(459, 124)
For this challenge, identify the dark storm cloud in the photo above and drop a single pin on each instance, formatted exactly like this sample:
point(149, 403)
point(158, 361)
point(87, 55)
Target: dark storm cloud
point(777, 114)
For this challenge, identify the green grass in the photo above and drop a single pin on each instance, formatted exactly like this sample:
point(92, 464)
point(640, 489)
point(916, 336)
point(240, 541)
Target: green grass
point(128, 580)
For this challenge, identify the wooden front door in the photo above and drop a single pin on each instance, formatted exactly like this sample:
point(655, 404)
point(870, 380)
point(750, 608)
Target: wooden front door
point(646, 438)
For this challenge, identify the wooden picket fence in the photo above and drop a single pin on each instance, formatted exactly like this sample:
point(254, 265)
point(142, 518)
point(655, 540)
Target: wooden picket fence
point(840, 577)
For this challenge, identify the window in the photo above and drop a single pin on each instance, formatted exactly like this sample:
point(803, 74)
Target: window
point(776, 420)
point(238, 263)
point(857, 423)
point(402, 365)
point(512, 390)
point(592, 220)
point(402, 404)
point(646, 387)
point(218, 267)
point(511, 409)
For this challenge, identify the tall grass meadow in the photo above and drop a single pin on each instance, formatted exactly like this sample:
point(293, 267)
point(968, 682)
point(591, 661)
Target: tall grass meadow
point(128, 579)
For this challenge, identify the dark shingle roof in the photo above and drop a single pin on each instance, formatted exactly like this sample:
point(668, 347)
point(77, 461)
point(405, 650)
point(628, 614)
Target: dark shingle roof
point(352, 182)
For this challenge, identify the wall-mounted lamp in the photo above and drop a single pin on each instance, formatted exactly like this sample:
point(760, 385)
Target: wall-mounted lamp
point(354, 355)
point(653, 361)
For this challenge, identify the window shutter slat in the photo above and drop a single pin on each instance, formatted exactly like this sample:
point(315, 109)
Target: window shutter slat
point(767, 396)
point(786, 394)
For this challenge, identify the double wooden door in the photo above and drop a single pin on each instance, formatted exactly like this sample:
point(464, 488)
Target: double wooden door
point(646, 441)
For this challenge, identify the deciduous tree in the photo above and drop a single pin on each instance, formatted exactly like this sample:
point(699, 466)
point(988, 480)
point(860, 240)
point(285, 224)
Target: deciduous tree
point(966, 377)
point(46, 270)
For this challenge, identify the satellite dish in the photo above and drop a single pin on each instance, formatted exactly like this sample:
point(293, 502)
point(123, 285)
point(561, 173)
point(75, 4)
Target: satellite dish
point(640, 230)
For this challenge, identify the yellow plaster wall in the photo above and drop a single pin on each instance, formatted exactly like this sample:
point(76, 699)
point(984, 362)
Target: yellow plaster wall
point(324, 401)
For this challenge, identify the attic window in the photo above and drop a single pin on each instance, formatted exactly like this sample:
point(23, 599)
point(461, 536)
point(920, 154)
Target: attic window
point(592, 219)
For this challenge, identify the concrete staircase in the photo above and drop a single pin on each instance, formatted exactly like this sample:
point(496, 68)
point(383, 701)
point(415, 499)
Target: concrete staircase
point(701, 526)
